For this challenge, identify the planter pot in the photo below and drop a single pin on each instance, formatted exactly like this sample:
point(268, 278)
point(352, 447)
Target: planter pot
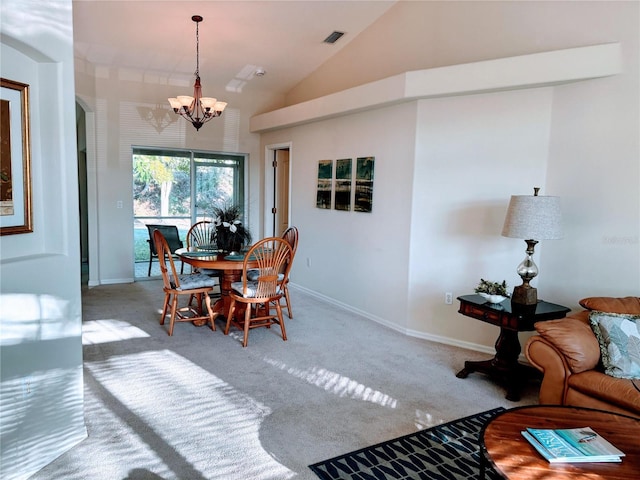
point(228, 241)
point(493, 298)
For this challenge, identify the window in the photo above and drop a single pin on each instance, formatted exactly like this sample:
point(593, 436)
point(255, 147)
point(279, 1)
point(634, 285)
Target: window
point(180, 187)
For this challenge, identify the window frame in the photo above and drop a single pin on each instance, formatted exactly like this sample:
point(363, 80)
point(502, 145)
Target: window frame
point(199, 157)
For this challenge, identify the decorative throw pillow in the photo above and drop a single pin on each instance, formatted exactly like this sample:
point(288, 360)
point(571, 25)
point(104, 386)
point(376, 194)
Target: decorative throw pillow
point(619, 338)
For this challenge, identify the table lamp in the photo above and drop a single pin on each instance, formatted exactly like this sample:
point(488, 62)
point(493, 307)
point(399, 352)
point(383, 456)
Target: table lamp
point(532, 218)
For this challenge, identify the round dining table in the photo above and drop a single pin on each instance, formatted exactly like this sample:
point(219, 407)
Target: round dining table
point(231, 266)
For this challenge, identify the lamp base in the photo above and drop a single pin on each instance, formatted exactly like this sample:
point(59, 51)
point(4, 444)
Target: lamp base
point(524, 295)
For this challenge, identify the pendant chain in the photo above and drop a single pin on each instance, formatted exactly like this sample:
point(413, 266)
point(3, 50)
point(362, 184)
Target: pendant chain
point(197, 51)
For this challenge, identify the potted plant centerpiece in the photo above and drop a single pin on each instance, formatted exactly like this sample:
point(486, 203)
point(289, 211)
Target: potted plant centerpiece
point(231, 235)
point(494, 292)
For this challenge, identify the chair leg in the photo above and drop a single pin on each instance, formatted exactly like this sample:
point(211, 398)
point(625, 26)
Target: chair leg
point(164, 308)
point(281, 321)
point(174, 309)
point(198, 297)
point(247, 322)
point(150, 260)
point(207, 302)
point(232, 309)
point(286, 298)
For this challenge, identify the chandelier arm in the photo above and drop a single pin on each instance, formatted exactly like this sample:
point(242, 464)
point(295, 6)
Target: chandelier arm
point(186, 115)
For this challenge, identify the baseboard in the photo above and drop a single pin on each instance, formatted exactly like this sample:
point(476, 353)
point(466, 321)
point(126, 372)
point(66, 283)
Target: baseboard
point(454, 342)
point(112, 281)
point(406, 331)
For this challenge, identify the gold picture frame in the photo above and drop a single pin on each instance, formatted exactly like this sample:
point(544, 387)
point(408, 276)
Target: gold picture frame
point(15, 159)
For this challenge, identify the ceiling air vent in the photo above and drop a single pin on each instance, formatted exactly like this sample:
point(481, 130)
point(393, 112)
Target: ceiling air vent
point(334, 37)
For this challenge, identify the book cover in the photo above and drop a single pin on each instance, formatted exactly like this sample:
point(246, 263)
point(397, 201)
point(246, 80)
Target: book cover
point(572, 445)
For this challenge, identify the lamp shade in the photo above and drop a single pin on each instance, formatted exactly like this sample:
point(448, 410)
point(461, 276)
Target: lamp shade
point(533, 217)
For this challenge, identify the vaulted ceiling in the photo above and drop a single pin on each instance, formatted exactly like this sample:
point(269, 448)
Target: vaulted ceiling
point(237, 38)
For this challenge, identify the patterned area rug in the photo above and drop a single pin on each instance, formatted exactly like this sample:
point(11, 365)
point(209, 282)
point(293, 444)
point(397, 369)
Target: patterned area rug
point(445, 452)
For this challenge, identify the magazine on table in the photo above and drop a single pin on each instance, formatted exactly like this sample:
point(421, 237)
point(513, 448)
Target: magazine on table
point(572, 445)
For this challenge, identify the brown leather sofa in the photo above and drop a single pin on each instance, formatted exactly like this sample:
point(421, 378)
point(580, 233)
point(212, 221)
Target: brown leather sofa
point(567, 352)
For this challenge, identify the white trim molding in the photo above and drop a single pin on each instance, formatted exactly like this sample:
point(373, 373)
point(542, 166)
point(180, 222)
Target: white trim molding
point(524, 71)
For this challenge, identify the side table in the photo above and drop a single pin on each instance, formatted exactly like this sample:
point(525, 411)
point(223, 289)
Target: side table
point(511, 318)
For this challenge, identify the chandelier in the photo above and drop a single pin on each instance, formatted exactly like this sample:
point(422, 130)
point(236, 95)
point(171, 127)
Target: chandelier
point(197, 109)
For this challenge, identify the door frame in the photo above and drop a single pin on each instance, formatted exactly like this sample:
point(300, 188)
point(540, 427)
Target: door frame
point(268, 190)
point(92, 192)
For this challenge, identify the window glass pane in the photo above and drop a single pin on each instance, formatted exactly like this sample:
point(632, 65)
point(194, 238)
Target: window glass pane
point(219, 181)
point(161, 185)
point(214, 186)
point(179, 187)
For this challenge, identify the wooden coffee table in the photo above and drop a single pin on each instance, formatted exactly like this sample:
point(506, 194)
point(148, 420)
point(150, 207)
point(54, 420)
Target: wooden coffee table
point(503, 446)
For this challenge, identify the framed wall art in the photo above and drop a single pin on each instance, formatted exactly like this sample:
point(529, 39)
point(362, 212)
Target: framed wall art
point(325, 176)
point(364, 184)
point(15, 158)
point(343, 184)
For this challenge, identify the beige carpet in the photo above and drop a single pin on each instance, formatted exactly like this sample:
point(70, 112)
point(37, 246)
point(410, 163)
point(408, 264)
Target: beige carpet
point(199, 406)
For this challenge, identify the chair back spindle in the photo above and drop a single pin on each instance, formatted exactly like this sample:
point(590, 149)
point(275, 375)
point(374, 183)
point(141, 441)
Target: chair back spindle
point(271, 255)
point(200, 234)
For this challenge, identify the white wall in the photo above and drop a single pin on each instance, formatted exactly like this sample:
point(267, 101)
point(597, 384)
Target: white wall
point(358, 259)
point(40, 321)
point(445, 169)
point(578, 141)
point(594, 164)
point(473, 153)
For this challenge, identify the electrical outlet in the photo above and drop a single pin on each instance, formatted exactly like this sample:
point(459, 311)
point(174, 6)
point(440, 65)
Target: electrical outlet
point(448, 298)
point(308, 262)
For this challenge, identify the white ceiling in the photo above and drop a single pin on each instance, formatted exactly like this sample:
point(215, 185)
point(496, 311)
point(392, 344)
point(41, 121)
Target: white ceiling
point(158, 37)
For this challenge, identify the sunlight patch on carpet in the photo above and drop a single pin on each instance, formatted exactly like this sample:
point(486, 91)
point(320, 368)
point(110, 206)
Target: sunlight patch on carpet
point(224, 424)
point(337, 384)
point(109, 330)
point(425, 420)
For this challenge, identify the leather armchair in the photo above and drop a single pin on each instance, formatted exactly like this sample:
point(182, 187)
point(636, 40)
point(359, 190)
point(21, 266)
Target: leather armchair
point(567, 352)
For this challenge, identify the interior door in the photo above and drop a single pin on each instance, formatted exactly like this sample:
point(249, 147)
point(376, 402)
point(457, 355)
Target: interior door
point(281, 174)
point(276, 189)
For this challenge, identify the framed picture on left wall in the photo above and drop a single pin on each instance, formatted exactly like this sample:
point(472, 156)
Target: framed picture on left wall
point(15, 159)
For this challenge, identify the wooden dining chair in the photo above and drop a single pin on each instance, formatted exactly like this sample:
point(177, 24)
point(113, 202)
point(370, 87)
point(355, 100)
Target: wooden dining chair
point(175, 285)
point(199, 235)
point(290, 235)
point(258, 296)
point(203, 234)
